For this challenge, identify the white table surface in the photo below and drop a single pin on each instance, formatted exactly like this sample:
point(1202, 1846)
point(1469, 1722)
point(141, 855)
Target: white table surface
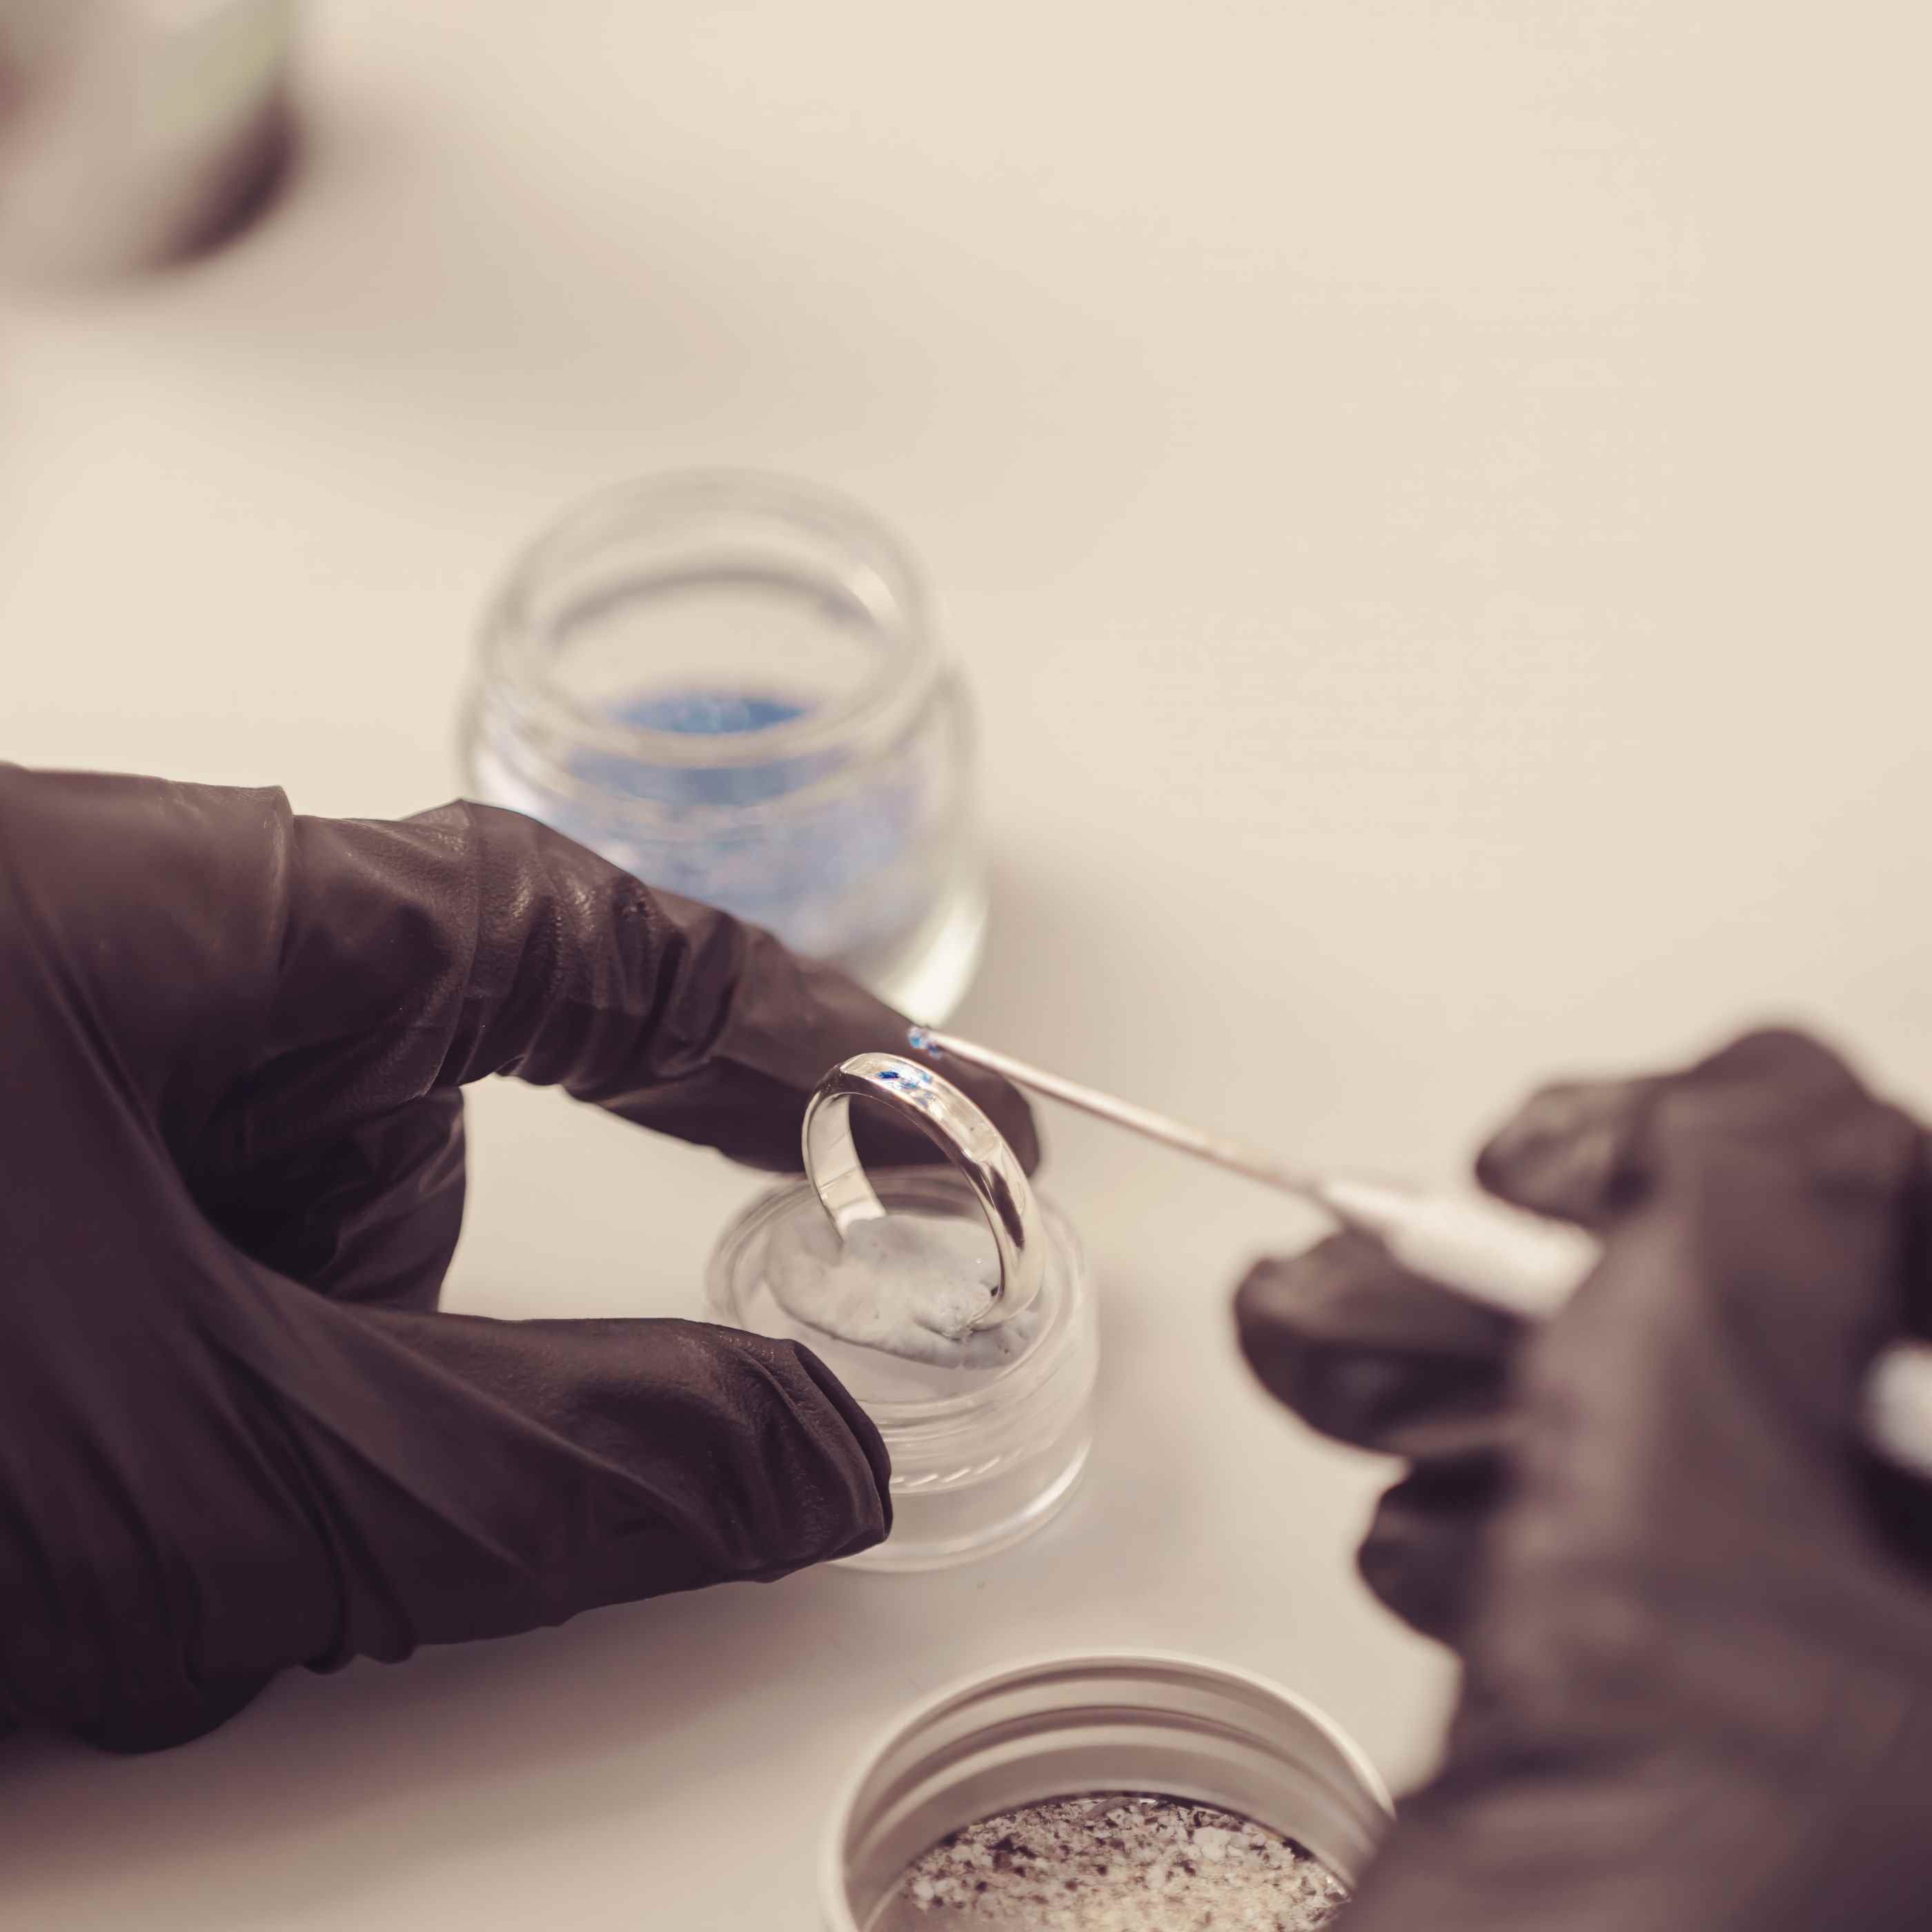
point(1432, 501)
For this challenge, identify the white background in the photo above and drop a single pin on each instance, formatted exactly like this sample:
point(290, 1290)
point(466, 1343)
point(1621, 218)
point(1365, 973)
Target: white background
point(1432, 500)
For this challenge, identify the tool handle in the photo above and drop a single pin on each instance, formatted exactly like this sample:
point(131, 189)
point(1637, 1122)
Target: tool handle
point(1499, 1255)
point(1527, 1265)
point(1522, 1263)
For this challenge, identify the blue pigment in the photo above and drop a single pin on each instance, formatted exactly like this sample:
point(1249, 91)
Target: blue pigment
point(920, 1041)
point(706, 714)
point(846, 871)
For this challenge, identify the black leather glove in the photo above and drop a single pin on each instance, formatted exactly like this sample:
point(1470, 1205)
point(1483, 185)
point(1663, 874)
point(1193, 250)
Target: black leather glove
point(234, 1435)
point(1695, 1616)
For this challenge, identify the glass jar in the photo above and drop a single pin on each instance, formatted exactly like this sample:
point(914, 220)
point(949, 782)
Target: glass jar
point(981, 1458)
point(726, 683)
point(1072, 1727)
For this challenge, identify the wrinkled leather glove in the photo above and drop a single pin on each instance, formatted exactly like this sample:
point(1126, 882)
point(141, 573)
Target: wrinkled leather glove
point(1695, 1616)
point(235, 1434)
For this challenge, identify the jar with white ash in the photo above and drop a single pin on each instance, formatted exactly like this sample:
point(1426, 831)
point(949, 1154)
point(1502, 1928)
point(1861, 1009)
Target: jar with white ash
point(988, 1435)
point(1116, 1791)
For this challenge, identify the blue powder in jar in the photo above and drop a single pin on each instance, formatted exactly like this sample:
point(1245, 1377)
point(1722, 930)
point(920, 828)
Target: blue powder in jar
point(845, 874)
point(780, 735)
point(708, 713)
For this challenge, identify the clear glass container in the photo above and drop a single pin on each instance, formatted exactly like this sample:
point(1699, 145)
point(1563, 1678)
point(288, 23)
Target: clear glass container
point(1072, 1727)
point(981, 1458)
point(726, 684)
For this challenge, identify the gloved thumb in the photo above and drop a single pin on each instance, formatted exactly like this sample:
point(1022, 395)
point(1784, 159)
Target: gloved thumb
point(1763, 1240)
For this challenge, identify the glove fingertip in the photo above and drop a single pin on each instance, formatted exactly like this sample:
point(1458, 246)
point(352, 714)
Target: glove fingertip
point(1423, 1550)
point(139, 1729)
point(1566, 1151)
point(864, 1431)
point(1432, 1605)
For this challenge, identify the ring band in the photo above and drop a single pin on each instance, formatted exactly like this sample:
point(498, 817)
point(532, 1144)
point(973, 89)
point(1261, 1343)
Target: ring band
point(920, 1098)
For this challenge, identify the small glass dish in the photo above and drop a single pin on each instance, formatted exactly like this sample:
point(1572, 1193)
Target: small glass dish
point(1144, 1722)
point(726, 684)
point(982, 1458)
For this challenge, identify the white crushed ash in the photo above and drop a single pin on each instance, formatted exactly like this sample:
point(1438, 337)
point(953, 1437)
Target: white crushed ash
point(1119, 1863)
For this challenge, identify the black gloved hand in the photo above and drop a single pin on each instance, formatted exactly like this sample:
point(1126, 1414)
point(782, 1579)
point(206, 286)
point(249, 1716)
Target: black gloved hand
point(1366, 1353)
point(235, 1435)
point(1695, 1622)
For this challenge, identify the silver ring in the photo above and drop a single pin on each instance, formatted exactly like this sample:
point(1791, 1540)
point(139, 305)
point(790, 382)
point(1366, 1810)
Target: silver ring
point(915, 1095)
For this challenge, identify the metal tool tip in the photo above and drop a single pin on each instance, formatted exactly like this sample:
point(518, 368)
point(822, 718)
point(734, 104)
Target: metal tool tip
point(920, 1041)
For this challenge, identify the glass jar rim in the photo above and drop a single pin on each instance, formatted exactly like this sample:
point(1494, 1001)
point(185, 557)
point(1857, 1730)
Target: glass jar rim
point(515, 648)
point(910, 1422)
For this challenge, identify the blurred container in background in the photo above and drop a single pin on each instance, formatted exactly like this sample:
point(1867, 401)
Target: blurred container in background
point(133, 132)
point(726, 684)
